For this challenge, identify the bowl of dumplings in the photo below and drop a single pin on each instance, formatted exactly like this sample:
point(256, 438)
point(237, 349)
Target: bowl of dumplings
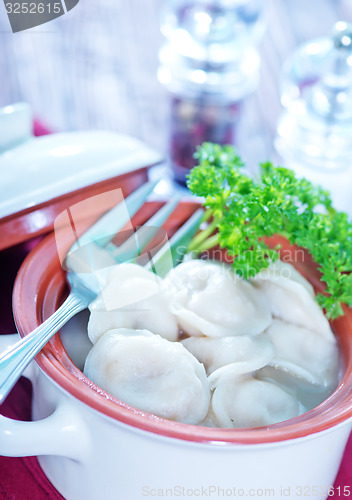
point(195, 383)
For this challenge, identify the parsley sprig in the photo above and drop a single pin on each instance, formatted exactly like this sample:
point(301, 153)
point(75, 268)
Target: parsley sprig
point(244, 211)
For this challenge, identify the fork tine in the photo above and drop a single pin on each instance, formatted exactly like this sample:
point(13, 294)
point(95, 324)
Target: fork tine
point(134, 245)
point(103, 231)
point(179, 242)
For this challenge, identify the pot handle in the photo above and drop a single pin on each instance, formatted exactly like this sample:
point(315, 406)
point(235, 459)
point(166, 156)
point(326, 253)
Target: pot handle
point(63, 433)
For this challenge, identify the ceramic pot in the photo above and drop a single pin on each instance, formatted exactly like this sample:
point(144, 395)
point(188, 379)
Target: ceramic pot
point(91, 445)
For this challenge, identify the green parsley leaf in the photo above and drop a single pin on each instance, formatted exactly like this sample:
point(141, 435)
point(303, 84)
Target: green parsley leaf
point(244, 210)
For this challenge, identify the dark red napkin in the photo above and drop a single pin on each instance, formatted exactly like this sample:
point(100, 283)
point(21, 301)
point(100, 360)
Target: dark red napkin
point(22, 478)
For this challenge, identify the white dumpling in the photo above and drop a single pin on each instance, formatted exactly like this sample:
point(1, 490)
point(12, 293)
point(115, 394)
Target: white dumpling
point(217, 352)
point(304, 354)
point(209, 299)
point(243, 401)
point(281, 269)
point(132, 298)
point(291, 300)
point(150, 373)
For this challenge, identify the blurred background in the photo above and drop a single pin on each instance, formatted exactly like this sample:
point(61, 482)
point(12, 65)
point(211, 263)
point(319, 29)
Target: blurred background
point(96, 68)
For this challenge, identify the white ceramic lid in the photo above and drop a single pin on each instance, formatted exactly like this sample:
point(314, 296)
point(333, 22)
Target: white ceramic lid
point(46, 167)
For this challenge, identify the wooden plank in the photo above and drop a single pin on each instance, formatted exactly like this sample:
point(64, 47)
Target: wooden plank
point(96, 67)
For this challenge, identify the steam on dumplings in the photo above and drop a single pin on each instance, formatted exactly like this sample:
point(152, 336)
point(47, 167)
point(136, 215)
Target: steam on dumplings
point(150, 373)
point(209, 299)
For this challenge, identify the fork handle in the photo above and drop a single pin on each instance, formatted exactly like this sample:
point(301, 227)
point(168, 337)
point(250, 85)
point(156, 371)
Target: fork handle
point(15, 359)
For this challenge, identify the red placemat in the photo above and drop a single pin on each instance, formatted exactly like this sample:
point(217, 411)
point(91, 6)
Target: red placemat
point(22, 478)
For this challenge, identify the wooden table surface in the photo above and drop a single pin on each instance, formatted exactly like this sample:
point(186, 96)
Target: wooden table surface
point(96, 67)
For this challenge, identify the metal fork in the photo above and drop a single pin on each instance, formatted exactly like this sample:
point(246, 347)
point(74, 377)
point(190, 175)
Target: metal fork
point(84, 286)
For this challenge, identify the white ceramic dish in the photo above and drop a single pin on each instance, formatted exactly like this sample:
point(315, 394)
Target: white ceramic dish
point(41, 176)
point(92, 446)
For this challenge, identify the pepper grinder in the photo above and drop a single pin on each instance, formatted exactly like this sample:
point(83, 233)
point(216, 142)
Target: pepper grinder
point(314, 134)
point(209, 63)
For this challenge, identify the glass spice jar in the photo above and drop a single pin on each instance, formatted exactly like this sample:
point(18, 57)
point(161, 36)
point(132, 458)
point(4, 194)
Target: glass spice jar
point(314, 132)
point(209, 63)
